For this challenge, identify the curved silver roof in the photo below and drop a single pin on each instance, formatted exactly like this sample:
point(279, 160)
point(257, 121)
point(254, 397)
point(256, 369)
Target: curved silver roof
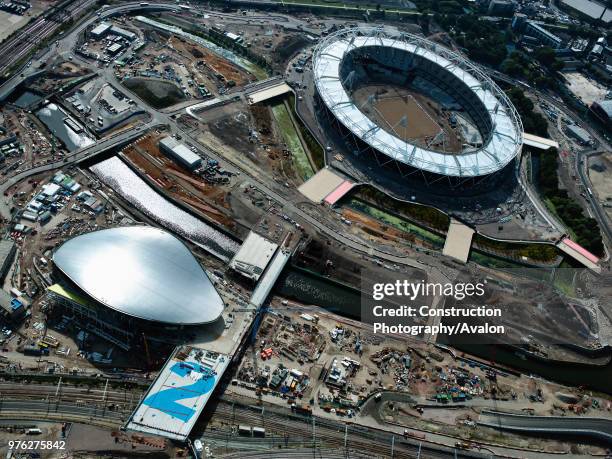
point(143, 272)
point(503, 145)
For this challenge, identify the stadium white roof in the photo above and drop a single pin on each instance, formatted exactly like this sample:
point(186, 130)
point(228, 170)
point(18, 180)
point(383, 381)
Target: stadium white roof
point(503, 145)
point(143, 272)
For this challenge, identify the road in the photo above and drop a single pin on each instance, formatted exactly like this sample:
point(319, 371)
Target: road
point(27, 39)
point(581, 163)
point(158, 117)
point(582, 160)
point(79, 155)
point(593, 428)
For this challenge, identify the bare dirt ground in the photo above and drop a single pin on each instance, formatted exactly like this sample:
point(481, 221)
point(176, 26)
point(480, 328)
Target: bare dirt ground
point(408, 115)
point(250, 135)
point(585, 88)
point(599, 174)
point(207, 200)
point(215, 64)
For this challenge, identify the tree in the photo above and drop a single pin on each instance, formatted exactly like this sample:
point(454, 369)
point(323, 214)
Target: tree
point(546, 56)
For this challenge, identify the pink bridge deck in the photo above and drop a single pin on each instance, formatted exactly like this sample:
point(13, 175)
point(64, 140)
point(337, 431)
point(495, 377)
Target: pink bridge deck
point(340, 191)
point(581, 250)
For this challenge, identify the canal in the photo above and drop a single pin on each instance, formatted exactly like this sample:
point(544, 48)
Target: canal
point(314, 289)
point(54, 117)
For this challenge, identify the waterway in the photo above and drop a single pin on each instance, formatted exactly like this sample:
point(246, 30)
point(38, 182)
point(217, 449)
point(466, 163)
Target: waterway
point(125, 182)
point(27, 98)
point(53, 116)
point(311, 288)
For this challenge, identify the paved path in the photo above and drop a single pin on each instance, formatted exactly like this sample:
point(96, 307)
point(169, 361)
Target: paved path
point(594, 428)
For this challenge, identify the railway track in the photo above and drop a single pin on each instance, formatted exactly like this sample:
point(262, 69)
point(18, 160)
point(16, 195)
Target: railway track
point(126, 398)
point(27, 38)
point(111, 407)
point(330, 435)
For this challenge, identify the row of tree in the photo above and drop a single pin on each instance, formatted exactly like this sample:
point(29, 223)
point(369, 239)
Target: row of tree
point(585, 228)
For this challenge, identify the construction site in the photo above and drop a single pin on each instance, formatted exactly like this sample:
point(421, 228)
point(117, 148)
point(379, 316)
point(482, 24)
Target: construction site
point(186, 260)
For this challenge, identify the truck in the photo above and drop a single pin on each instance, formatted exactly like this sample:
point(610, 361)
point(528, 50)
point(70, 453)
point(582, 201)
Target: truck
point(197, 443)
point(411, 434)
point(301, 409)
point(259, 432)
point(35, 351)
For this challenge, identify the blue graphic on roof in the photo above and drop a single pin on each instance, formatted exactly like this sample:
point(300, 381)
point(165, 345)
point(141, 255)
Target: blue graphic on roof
point(166, 400)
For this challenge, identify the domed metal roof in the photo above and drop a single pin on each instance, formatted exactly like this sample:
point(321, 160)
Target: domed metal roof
point(143, 272)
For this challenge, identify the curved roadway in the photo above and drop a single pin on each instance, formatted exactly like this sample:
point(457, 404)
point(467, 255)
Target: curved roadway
point(597, 428)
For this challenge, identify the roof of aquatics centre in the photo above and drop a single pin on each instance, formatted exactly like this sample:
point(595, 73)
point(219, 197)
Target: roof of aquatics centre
point(143, 272)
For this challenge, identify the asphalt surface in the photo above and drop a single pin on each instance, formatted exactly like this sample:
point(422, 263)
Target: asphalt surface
point(594, 428)
point(581, 163)
point(75, 157)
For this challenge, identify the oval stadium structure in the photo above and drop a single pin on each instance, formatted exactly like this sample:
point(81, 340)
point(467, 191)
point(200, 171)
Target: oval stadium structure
point(141, 272)
point(416, 104)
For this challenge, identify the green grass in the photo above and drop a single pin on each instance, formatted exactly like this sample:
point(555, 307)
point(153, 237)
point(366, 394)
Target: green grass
point(535, 252)
point(564, 279)
point(317, 154)
point(396, 222)
point(292, 139)
point(425, 215)
point(489, 261)
point(347, 6)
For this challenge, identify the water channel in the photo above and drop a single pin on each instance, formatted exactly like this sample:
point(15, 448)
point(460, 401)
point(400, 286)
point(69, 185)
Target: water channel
point(311, 288)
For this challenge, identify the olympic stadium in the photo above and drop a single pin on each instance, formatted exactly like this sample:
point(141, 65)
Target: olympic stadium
point(415, 107)
point(121, 283)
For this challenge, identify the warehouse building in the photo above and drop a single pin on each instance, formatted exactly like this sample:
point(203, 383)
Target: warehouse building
point(180, 153)
point(7, 253)
point(253, 257)
point(578, 133)
point(131, 36)
point(100, 30)
point(589, 10)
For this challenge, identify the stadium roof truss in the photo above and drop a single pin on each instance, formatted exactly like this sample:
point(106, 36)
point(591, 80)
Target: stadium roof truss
point(501, 144)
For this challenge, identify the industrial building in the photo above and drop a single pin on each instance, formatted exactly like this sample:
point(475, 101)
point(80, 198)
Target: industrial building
point(501, 8)
point(578, 133)
point(349, 57)
point(7, 254)
point(603, 110)
point(180, 153)
point(12, 309)
point(589, 10)
point(100, 30)
point(119, 282)
point(254, 255)
point(131, 36)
